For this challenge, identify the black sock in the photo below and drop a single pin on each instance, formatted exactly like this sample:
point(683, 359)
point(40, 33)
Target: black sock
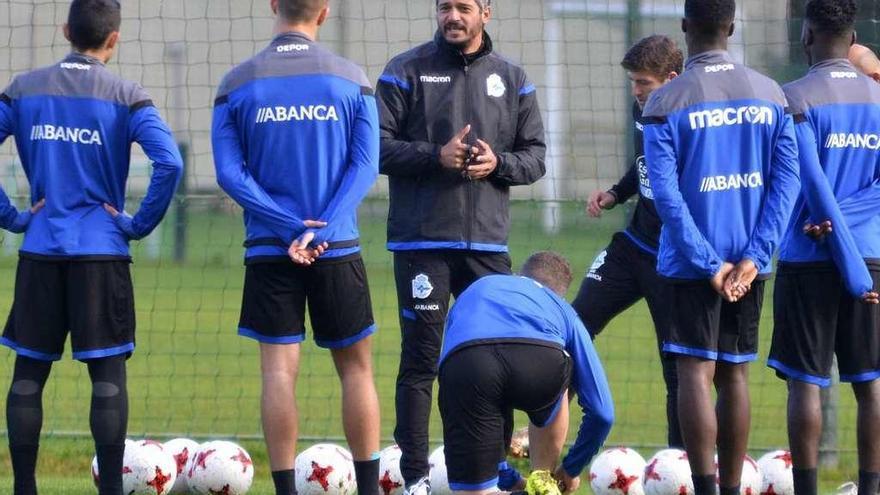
point(704, 484)
point(108, 419)
point(285, 482)
point(805, 481)
point(729, 490)
point(367, 474)
point(24, 420)
point(869, 482)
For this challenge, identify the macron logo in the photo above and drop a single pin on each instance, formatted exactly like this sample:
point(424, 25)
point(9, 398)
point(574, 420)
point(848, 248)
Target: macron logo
point(844, 140)
point(844, 75)
point(711, 69)
point(733, 181)
point(292, 48)
point(75, 66)
point(75, 135)
point(302, 112)
point(731, 116)
point(436, 79)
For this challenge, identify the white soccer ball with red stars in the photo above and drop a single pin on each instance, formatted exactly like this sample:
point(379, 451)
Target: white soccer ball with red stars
point(147, 469)
point(777, 478)
point(220, 468)
point(390, 479)
point(438, 476)
point(750, 482)
point(618, 471)
point(325, 469)
point(182, 450)
point(668, 473)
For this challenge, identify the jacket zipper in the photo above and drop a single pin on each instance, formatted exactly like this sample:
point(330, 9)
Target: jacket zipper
point(469, 198)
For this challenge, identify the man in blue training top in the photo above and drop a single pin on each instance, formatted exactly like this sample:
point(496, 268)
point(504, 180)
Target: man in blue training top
point(722, 162)
point(836, 110)
point(73, 124)
point(296, 144)
point(513, 342)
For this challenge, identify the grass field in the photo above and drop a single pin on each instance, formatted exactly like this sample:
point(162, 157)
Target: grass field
point(191, 375)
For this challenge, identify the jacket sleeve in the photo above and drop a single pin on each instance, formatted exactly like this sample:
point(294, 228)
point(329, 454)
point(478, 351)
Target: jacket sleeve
point(400, 156)
point(783, 189)
point(594, 398)
point(862, 205)
point(525, 164)
point(822, 205)
point(363, 168)
point(662, 163)
point(10, 218)
point(149, 130)
point(628, 185)
point(234, 178)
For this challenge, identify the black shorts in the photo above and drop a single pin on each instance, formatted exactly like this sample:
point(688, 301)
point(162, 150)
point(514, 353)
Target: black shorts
point(93, 300)
point(708, 327)
point(815, 317)
point(480, 386)
point(275, 295)
point(621, 275)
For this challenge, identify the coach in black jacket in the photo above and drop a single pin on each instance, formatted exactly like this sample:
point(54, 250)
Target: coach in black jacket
point(460, 124)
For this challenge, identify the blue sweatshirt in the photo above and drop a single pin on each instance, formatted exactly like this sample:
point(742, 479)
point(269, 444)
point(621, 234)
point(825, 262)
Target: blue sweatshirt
point(73, 124)
point(500, 308)
point(296, 137)
point(722, 160)
point(837, 115)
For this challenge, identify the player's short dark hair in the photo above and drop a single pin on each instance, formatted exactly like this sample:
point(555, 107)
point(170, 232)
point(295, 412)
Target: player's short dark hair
point(550, 269)
point(834, 17)
point(656, 54)
point(480, 3)
point(300, 10)
point(90, 22)
point(707, 17)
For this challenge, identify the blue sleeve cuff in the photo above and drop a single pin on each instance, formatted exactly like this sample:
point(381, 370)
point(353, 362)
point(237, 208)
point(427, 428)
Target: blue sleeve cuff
point(126, 224)
point(20, 224)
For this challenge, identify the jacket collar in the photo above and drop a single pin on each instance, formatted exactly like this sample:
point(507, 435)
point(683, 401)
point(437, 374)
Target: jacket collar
point(82, 58)
point(833, 63)
point(454, 52)
point(290, 37)
point(711, 57)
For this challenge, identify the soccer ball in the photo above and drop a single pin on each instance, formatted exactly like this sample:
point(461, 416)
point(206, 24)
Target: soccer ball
point(324, 469)
point(669, 473)
point(776, 473)
point(750, 482)
point(439, 477)
point(95, 476)
point(147, 469)
point(220, 467)
point(618, 471)
point(390, 479)
point(181, 449)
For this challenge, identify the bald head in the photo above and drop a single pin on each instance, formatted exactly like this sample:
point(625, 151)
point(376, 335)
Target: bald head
point(865, 60)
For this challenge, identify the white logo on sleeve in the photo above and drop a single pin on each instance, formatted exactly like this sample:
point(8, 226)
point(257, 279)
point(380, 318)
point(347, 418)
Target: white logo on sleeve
point(593, 272)
point(421, 286)
point(495, 86)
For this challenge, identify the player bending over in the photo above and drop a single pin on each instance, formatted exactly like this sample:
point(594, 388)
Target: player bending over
point(835, 109)
point(626, 270)
point(73, 124)
point(722, 162)
point(296, 144)
point(513, 342)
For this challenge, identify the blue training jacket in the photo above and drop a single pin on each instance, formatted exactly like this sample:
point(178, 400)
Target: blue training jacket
point(73, 124)
point(509, 307)
point(296, 137)
point(722, 160)
point(837, 116)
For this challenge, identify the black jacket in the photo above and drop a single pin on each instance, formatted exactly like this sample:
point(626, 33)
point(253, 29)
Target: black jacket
point(425, 96)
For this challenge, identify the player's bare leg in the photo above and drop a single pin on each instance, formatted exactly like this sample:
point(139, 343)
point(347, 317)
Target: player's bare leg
point(868, 431)
point(804, 430)
point(546, 443)
point(733, 410)
point(696, 415)
point(279, 366)
point(360, 411)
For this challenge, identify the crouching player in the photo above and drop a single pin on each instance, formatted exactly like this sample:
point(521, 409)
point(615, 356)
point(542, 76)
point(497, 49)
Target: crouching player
point(512, 342)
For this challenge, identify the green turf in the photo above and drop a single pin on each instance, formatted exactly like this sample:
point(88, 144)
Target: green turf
point(191, 374)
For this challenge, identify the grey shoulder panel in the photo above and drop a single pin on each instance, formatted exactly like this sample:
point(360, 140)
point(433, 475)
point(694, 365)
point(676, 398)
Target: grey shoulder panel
point(312, 59)
point(822, 88)
point(79, 80)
